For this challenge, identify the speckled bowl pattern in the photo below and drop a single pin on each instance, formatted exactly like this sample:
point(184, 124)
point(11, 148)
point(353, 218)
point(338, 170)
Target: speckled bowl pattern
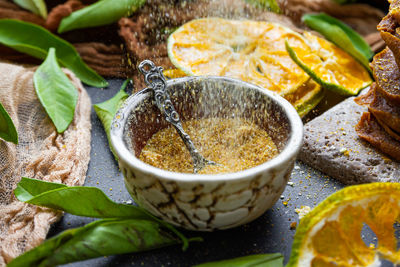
point(207, 202)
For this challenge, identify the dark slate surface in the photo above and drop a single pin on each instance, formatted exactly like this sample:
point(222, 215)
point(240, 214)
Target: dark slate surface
point(269, 233)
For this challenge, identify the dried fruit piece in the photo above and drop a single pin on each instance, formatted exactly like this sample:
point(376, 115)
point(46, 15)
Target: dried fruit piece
point(342, 35)
point(330, 66)
point(173, 73)
point(306, 97)
point(384, 110)
point(330, 235)
point(387, 75)
point(252, 51)
point(370, 130)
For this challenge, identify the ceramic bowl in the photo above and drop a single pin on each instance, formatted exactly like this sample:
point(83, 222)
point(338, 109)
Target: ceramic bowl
point(207, 202)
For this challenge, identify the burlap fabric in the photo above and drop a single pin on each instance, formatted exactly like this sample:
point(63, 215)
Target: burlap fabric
point(42, 153)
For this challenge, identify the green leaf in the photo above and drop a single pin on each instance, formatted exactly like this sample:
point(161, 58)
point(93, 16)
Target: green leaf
point(83, 201)
point(34, 40)
point(261, 260)
point(28, 188)
point(7, 127)
point(106, 111)
point(56, 92)
point(99, 238)
point(77, 200)
point(270, 5)
point(342, 35)
point(100, 13)
point(36, 6)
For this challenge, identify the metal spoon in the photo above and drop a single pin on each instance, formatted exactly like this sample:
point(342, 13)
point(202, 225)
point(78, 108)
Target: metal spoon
point(155, 79)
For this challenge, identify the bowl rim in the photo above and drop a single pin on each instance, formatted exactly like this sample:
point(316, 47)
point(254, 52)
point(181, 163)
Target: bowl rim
point(290, 150)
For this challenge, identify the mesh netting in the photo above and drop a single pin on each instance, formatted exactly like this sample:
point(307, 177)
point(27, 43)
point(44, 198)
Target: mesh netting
point(42, 153)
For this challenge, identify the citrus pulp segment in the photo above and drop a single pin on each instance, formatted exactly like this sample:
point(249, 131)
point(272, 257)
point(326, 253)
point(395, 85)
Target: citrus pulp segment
point(330, 235)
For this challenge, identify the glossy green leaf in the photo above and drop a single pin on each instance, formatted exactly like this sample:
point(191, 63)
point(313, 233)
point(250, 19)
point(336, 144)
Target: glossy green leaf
point(56, 92)
point(7, 127)
point(100, 13)
point(270, 5)
point(99, 238)
point(82, 200)
point(106, 111)
point(260, 260)
point(36, 6)
point(342, 35)
point(34, 40)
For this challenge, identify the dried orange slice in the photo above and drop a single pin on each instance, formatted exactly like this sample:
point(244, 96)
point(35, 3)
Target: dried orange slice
point(304, 99)
point(330, 235)
point(329, 65)
point(253, 51)
point(173, 73)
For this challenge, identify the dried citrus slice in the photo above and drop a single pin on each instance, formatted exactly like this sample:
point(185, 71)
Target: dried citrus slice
point(330, 235)
point(173, 73)
point(248, 50)
point(306, 97)
point(253, 51)
point(329, 65)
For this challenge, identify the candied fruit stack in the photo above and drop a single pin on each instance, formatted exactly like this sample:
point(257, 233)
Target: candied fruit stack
point(380, 126)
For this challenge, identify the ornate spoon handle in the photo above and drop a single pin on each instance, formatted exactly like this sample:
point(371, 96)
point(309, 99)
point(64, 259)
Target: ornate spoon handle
point(155, 79)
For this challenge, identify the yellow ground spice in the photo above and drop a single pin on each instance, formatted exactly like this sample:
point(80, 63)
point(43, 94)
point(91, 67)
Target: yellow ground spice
point(235, 144)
